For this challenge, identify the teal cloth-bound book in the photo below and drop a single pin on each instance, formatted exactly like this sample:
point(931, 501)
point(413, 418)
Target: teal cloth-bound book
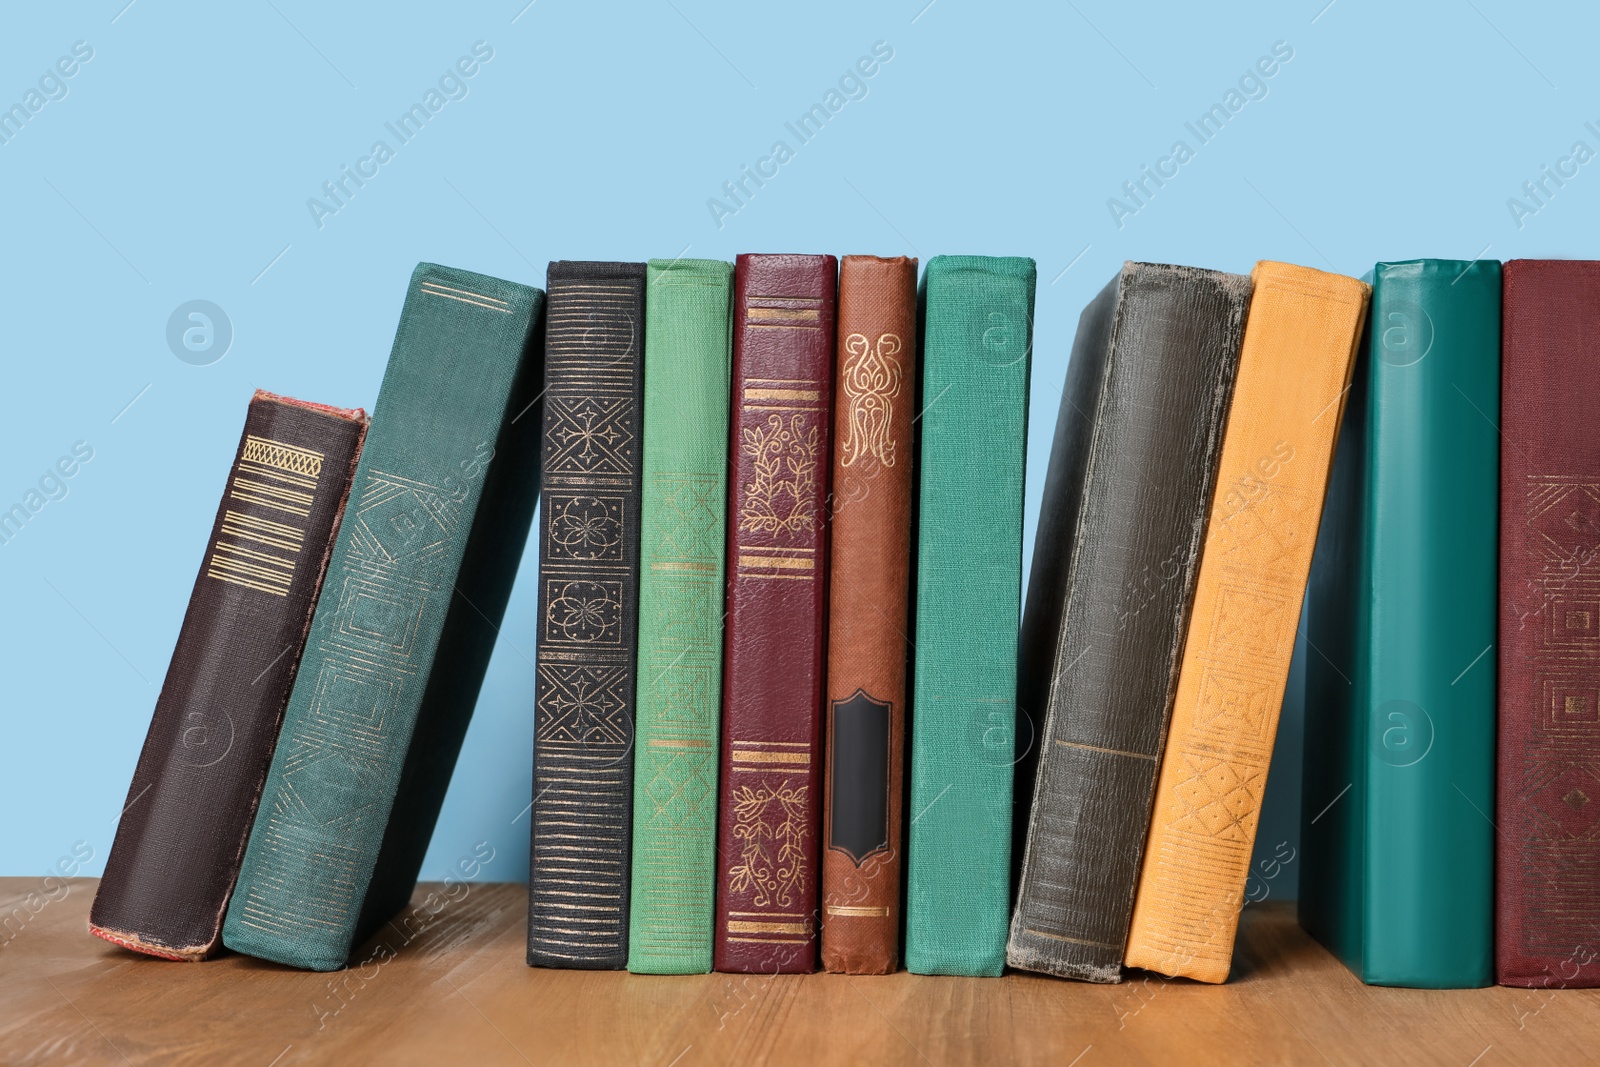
point(977, 330)
point(415, 590)
point(1397, 838)
point(685, 489)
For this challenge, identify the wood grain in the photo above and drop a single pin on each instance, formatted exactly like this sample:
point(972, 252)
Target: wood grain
point(456, 991)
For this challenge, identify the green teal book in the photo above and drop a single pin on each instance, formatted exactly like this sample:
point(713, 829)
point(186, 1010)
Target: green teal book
point(1398, 789)
point(977, 331)
point(416, 586)
point(687, 330)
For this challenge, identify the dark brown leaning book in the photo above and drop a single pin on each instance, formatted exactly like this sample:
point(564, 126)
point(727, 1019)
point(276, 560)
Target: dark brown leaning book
point(194, 794)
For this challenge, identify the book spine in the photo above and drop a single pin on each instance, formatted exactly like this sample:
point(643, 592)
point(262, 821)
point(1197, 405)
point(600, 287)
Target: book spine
point(1165, 341)
point(1294, 372)
point(682, 524)
point(183, 830)
point(770, 804)
point(588, 616)
point(1398, 795)
point(395, 654)
point(977, 331)
point(868, 617)
point(1549, 652)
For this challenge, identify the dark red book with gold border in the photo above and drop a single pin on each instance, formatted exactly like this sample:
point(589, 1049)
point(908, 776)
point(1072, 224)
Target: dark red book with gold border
point(1548, 867)
point(770, 815)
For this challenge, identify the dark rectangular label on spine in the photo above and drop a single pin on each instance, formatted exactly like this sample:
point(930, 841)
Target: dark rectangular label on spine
point(588, 616)
point(176, 855)
point(860, 779)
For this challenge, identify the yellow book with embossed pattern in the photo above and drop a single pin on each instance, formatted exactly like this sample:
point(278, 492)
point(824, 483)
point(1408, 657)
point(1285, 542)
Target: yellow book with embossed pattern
point(1294, 371)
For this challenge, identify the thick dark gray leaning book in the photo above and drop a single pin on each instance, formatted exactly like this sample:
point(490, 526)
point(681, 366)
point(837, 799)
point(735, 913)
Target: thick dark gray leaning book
point(583, 713)
point(1126, 499)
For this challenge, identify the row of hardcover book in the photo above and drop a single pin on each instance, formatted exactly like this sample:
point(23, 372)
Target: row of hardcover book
point(1415, 491)
point(700, 439)
point(783, 710)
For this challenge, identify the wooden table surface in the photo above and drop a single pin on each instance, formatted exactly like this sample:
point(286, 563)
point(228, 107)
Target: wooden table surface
point(459, 993)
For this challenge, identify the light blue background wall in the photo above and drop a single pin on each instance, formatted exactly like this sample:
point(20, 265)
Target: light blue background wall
point(179, 163)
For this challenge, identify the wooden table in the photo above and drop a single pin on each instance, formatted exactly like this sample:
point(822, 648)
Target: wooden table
point(459, 993)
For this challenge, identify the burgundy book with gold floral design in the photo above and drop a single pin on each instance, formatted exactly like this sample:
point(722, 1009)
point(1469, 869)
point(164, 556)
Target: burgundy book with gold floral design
point(770, 816)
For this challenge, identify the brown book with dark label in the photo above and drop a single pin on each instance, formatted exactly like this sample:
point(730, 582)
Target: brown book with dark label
point(870, 565)
point(182, 834)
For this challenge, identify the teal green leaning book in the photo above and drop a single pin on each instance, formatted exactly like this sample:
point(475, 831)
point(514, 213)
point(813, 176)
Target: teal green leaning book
point(1396, 838)
point(686, 396)
point(415, 590)
point(977, 330)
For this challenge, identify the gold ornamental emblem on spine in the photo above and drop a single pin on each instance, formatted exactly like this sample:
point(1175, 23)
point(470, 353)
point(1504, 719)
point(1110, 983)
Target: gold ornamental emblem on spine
point(871, 382)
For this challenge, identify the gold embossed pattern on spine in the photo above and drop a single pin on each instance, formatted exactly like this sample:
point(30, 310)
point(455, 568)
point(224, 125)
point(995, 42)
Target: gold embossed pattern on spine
point(251, 549)
point(871, 384)
point(779, 503)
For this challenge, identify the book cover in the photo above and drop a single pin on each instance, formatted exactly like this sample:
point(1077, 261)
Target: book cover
point(1397, 831)
point(868, 613)
point(412, 601)
point(1548, 810)
point(770, 798)
point(683, 520)
point(1126, 499)
point(976, 315)
point(183, 830)
point(588, 615)
point(1294, 372)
